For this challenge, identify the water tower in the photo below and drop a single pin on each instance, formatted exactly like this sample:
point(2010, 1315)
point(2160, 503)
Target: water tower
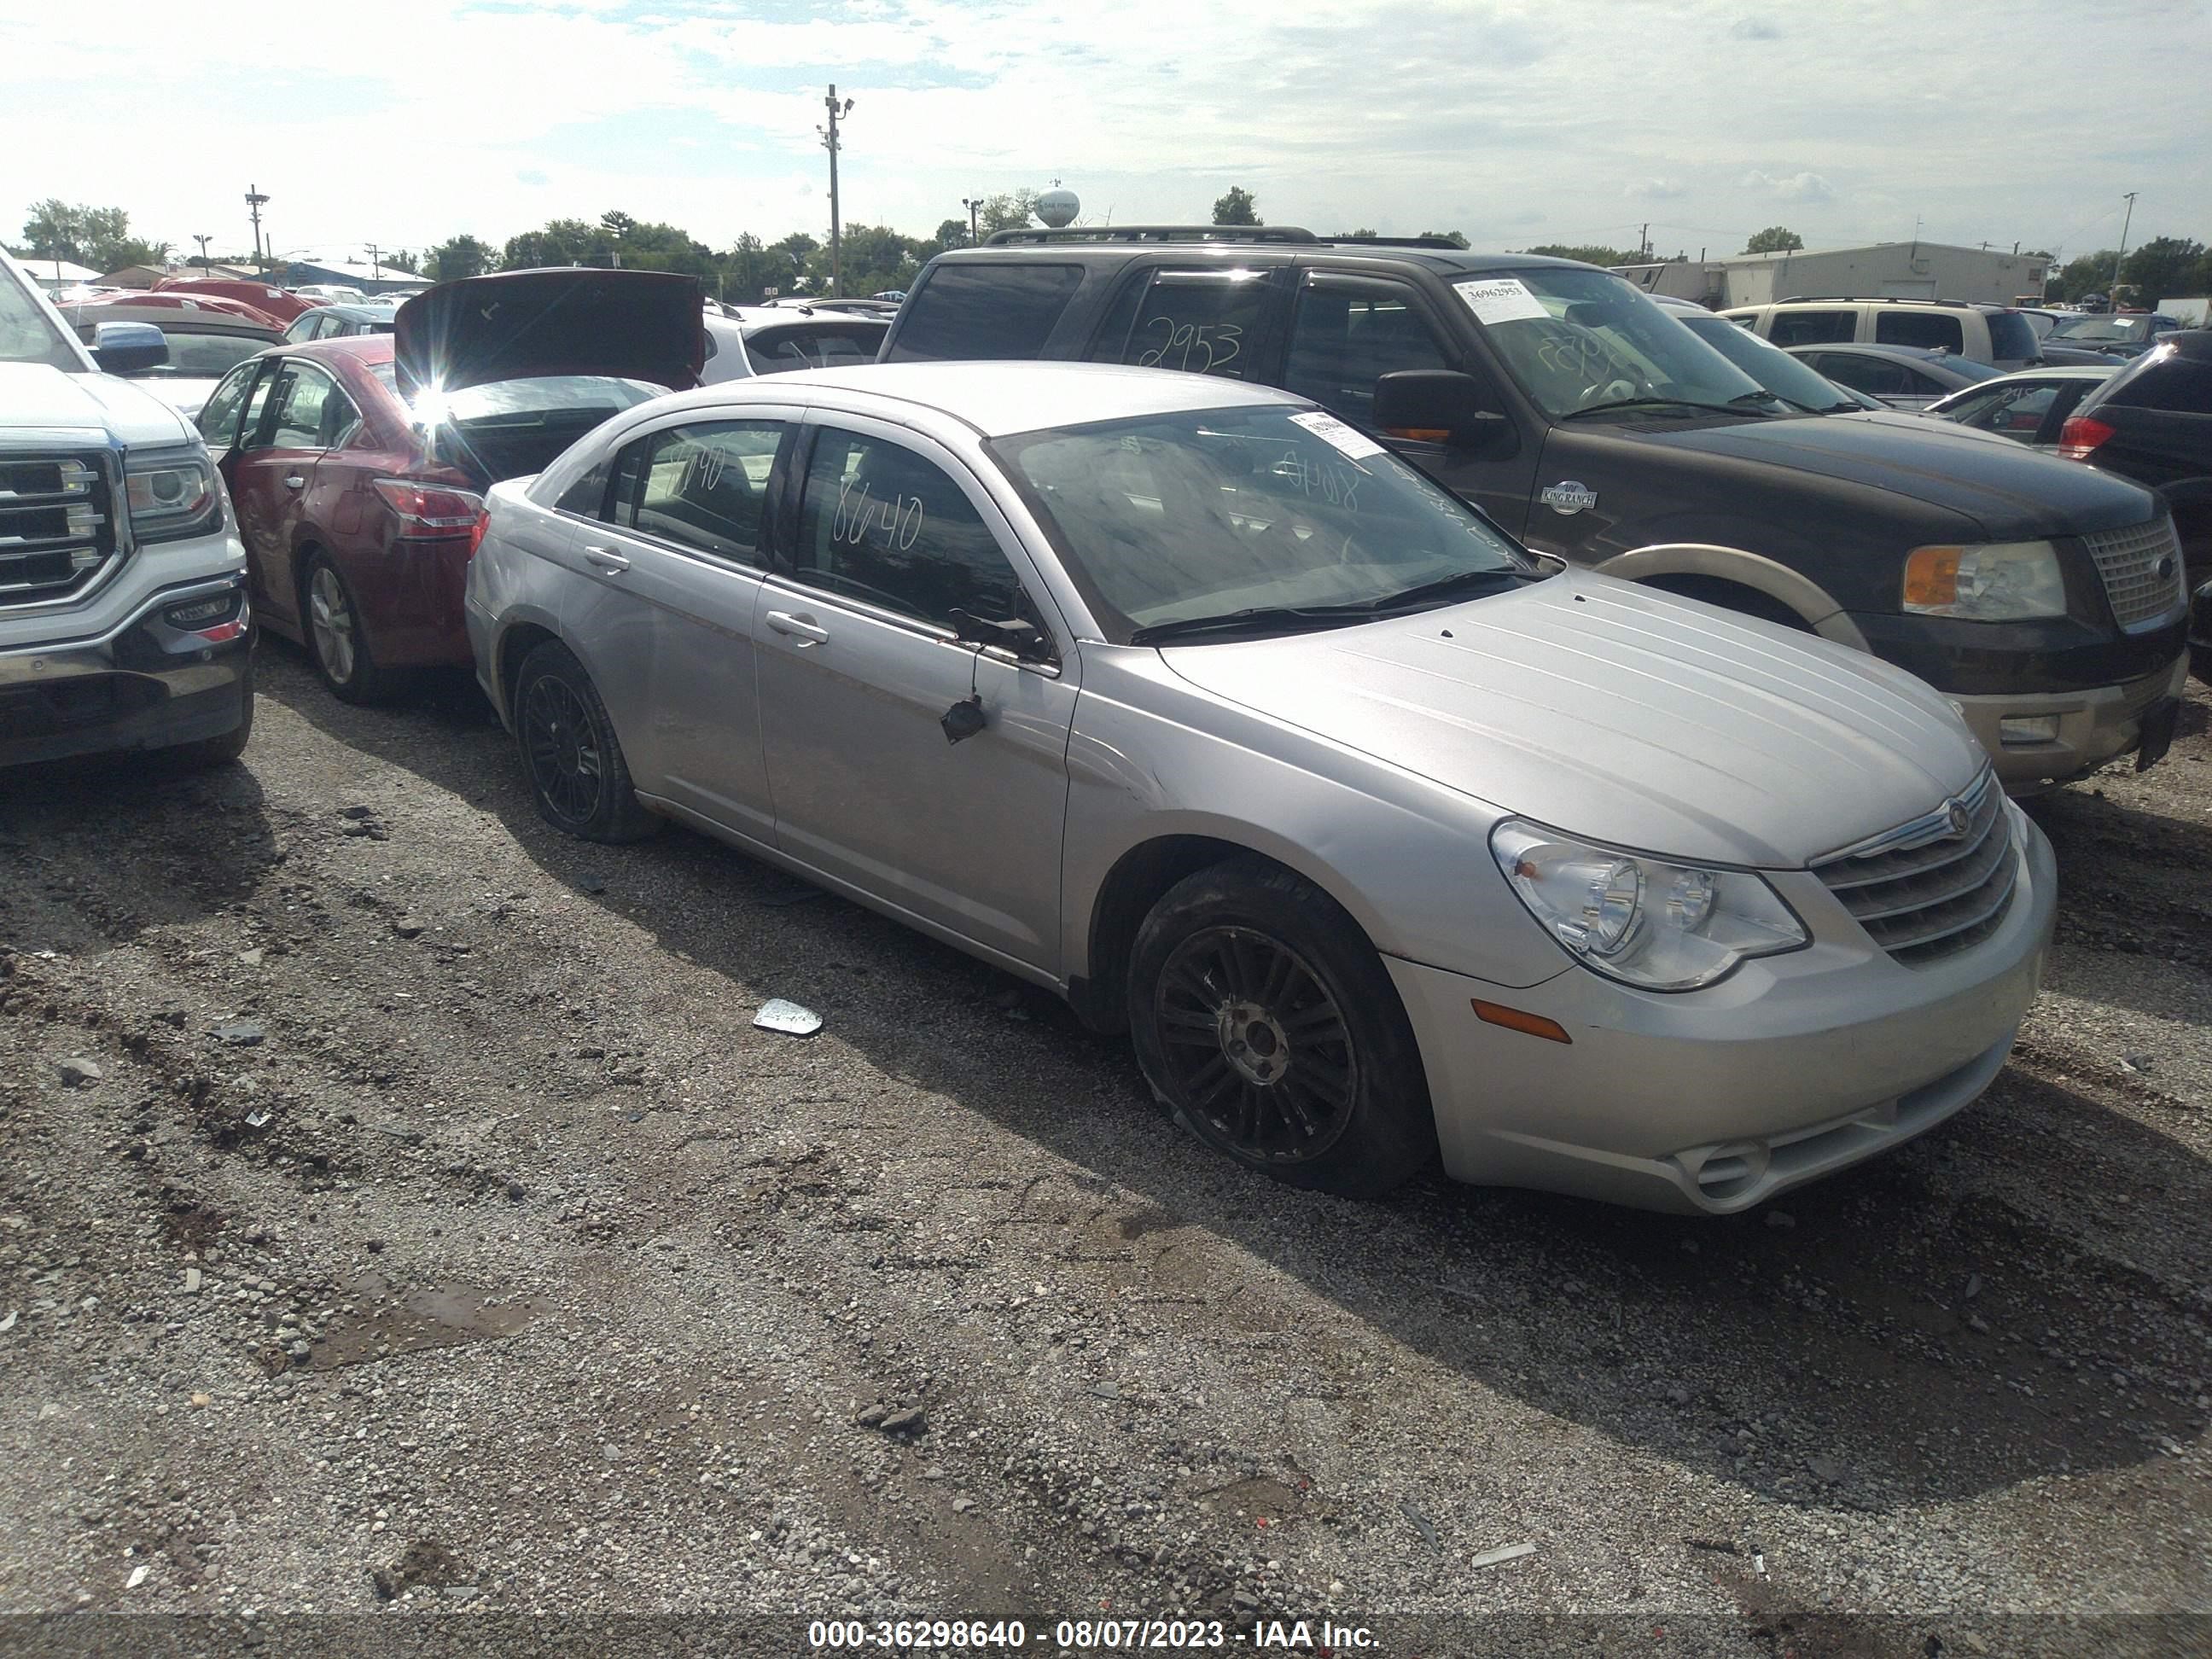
point(1057, 208)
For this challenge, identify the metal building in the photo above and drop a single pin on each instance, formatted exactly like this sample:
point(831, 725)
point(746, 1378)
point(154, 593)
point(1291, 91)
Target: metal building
point(1884, 270)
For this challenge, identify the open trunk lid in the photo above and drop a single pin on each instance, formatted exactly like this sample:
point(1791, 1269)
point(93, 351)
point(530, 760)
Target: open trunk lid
point(628, 325)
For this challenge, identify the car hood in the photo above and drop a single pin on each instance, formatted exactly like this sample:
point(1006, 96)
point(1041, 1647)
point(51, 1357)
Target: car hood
point(33, 397)
point(1619, 714)
point(634, 325)
point(2011, 491)
point(2119, 352)
point(186, 397)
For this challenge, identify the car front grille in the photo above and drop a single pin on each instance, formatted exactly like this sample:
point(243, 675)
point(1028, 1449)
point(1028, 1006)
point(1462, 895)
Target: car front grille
point(2141, 569)
point(1929, 888)
point(57, 526)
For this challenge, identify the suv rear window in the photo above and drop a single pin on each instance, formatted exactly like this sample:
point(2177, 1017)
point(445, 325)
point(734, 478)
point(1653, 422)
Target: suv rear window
point(2177, 385)
point(1937, 331)
point(1796, 328)
point(985, 310)
point(2012, 335)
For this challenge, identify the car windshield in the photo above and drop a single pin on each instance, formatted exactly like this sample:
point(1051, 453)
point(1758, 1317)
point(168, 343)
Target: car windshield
point(1768, 364)
point(1577, 339)
point(27, 334)
point(1175, 519)
point(2128, 328)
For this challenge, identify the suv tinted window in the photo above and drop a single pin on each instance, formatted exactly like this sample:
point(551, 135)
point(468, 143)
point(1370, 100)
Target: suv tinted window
point(1813, 327)
point(884, 526)
point(703, 485)
point(985, 310)
point(2012, 335)
point(1347, 336)
point(1203, 322)
point(781, 349)
point(2178, 385)
point(1937, 331)
point(1877, 376)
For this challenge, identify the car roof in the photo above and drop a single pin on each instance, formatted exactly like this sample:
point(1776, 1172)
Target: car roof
point(1902, 353)
point(369, 349)
point(750, 320)
point(369, 311)
point(1433, 256)
point(996, 398)
point(2055, 372)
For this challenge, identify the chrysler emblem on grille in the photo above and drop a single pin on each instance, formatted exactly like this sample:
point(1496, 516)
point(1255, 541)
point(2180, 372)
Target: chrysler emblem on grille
point(1957, 817)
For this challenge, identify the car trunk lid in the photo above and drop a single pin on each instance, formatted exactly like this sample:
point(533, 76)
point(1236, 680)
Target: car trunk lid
point(629, 324)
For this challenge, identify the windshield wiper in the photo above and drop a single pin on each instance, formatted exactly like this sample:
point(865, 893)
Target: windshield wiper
point(1444, 586)
point(1259, 616)
point(1741, 405)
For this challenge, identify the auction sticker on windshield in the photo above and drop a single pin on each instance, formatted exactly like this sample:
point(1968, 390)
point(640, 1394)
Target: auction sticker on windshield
point(1500, 299)
point(1348, 441)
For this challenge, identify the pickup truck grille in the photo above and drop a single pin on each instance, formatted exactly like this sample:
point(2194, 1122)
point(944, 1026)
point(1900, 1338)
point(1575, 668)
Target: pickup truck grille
point(1929, 890)
point(57, 526)
point(2141, 569)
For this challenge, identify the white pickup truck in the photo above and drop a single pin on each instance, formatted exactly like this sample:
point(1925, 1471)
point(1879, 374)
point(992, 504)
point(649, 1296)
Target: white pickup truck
point(124, 620)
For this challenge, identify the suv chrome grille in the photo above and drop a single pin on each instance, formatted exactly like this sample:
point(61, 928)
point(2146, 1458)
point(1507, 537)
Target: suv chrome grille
point(1928, 890)
point(2142, 593)
point(57, 526)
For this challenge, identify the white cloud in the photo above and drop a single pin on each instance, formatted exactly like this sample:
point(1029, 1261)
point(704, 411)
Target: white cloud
point(1655, 190)
point(1795, 187)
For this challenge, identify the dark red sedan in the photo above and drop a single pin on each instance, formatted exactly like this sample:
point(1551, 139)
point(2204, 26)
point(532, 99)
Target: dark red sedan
point(358, 466)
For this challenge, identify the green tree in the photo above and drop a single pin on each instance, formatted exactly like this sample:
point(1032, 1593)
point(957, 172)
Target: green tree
point(1775, 238)
point(1238, 207)
point(2085, 273)
point(875, 258)
point(404, 260)
point(562, 242)
point(2164, 268)
point(1008, 210)
point(458, 257)
point(1451, 236)
point(1591, 253)
point(98, 237)
point(952, 232)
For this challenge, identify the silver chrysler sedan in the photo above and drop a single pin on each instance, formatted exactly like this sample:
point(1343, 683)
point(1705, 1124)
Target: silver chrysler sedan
point(1384, 840)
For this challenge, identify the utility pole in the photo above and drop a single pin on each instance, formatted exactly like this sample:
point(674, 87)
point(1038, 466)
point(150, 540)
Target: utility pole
point(375, 270)
point(829, 142)
point(1644, 242)
point(973, 205)
point(203, 241)
point(255, 201)
point(2122, 253)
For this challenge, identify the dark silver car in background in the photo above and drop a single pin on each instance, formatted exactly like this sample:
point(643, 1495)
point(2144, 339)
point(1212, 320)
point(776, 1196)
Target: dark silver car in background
point(1382, 837)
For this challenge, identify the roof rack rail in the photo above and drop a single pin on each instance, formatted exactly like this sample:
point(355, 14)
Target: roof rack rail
point(1401, 241)
point(1155, 234)
point(1875, 299)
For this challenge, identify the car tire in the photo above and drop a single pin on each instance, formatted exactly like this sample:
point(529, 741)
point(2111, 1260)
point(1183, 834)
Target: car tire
point(1266, 1022)
point(210, 752)
point(330, 621)
point(570, 753)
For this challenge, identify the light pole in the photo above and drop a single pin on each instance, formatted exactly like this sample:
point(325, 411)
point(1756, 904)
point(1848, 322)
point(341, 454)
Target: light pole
point(2122, 253)
point(829, 142)
point(973, 205)
point(255, 201)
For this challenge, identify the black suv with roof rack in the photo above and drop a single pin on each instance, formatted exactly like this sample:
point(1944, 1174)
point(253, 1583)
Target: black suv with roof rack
point(2045, 600)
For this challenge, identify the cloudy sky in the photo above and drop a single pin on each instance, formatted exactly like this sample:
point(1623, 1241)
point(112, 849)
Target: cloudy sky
point(405, 121)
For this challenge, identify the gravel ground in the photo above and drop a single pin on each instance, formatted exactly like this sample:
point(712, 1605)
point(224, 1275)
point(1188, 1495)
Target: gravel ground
point(426, 1226)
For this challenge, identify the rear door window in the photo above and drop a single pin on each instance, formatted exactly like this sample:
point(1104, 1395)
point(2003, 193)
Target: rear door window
point(985, 310)
point(703, 486)
point(2177, 385)
point(1878, 377)
point(1348, 334)
point(1936, 331)
point(1203, 322)
point(2012, 335)
point(1792, 328)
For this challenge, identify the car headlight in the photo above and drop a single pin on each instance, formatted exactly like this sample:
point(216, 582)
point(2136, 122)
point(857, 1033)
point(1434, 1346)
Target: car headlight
point(1994, 581)
point(1645, 921)
point(171, 495)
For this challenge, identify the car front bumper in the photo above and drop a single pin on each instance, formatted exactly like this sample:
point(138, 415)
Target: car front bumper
point(151, 682)
point(1710, 1102)
point(2094, 726)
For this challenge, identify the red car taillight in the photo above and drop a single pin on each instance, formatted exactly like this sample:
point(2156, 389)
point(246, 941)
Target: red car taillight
point(2080, 435)
point(433, 512)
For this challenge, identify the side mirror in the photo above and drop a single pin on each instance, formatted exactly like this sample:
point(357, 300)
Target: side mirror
point(1438, 406)
point(1016, 634)
point(128, 348)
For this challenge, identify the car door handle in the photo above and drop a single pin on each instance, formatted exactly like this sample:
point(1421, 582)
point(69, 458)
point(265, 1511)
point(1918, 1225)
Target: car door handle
point(293, 481)
point(606, 559)
point(805, 629)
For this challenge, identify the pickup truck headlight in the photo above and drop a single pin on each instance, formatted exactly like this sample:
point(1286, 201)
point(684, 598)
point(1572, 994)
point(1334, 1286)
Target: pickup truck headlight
point(1646, 921)
point(173, 494)
point(1993, 581)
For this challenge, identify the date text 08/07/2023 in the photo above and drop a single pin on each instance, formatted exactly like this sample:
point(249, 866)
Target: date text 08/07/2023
point(1085, 1635)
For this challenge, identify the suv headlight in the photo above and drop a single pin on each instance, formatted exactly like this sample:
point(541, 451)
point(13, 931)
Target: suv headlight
point(1994, 581)
point(172, 494)
point(1645, 921)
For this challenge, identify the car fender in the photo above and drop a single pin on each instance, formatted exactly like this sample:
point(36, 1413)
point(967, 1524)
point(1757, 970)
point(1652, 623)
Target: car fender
point(518, 629)
point(1800, 592)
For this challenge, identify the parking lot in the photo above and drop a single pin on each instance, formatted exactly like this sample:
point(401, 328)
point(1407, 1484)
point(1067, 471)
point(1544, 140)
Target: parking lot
point(437, 1229)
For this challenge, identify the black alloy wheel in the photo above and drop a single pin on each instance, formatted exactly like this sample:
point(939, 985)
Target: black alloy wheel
point(570, 752)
